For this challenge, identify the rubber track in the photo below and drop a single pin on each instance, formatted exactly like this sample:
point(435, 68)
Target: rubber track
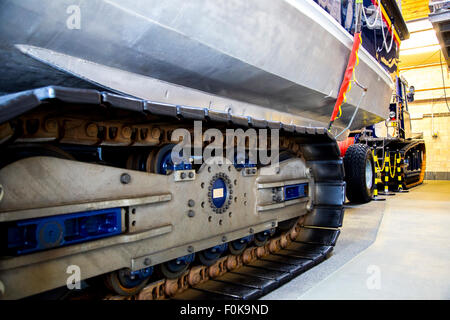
point(407, 148)
point(281, 259)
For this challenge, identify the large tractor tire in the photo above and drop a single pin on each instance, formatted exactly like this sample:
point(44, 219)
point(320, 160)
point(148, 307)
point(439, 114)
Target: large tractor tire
point(359, 173)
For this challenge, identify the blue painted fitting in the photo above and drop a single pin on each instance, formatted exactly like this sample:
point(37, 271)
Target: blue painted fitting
point(38, 234)
point(219, 193)
point(295, 191)
point(216, 251)
point(167, 164)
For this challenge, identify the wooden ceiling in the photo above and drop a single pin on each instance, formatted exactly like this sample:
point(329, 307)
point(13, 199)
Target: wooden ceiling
point(415, 9)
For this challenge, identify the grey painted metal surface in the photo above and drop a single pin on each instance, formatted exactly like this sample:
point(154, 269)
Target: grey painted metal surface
point(274, 60)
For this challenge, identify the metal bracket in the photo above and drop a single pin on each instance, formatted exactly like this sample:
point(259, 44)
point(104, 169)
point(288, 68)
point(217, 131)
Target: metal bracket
point(278, 194)
point(184, 175)
point(246, 172)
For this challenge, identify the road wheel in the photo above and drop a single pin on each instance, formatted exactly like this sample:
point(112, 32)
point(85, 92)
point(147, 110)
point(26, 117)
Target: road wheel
point(359, 173)
point(127, 283)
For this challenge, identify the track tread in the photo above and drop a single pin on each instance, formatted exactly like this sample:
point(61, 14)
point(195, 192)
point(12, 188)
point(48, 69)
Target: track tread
point(315, 240)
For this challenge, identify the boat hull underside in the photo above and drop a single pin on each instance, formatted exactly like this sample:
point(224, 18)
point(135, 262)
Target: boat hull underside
point(272, 59)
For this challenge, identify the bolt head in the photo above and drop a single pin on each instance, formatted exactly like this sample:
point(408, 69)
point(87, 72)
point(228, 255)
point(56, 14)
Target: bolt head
point(147, 261)
point(191, 214)
point(125, 178)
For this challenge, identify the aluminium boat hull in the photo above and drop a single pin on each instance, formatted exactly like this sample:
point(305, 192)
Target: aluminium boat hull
point(280, 60)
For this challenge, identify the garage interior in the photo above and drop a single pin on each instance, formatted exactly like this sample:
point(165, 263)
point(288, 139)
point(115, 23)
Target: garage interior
point(98, 201)
point(398, 249)
point(389, 250)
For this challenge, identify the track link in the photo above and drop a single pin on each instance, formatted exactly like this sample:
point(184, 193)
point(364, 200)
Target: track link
point(251, 275)
point(418, 145)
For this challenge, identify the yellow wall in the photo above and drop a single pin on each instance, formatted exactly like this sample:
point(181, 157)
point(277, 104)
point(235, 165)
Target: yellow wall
point(420, 65)
point(428, 82)
point(438, 152)
point(415, 9)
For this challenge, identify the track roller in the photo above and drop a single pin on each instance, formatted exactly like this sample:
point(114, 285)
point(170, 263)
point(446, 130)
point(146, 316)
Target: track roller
point(126, 282)
point(209, 256)
point(176, 267)
point(238, 246)
point(261, 238)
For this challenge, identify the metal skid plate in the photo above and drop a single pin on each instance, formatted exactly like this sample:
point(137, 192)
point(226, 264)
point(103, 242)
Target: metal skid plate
point(165, 218)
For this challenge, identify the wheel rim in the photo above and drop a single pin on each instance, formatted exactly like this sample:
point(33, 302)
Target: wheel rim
point(238, 246)
point(126, 282)
point(261, 238)
point(129, 279)
point(369, 174)
point(210, 256)
point(176, 267)
point(162, 162)
point(166, 165)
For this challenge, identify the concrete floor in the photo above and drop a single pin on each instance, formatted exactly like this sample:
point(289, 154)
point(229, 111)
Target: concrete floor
point(394, 249)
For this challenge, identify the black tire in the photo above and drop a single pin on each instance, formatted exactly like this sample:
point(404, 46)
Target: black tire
point(359, 189)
